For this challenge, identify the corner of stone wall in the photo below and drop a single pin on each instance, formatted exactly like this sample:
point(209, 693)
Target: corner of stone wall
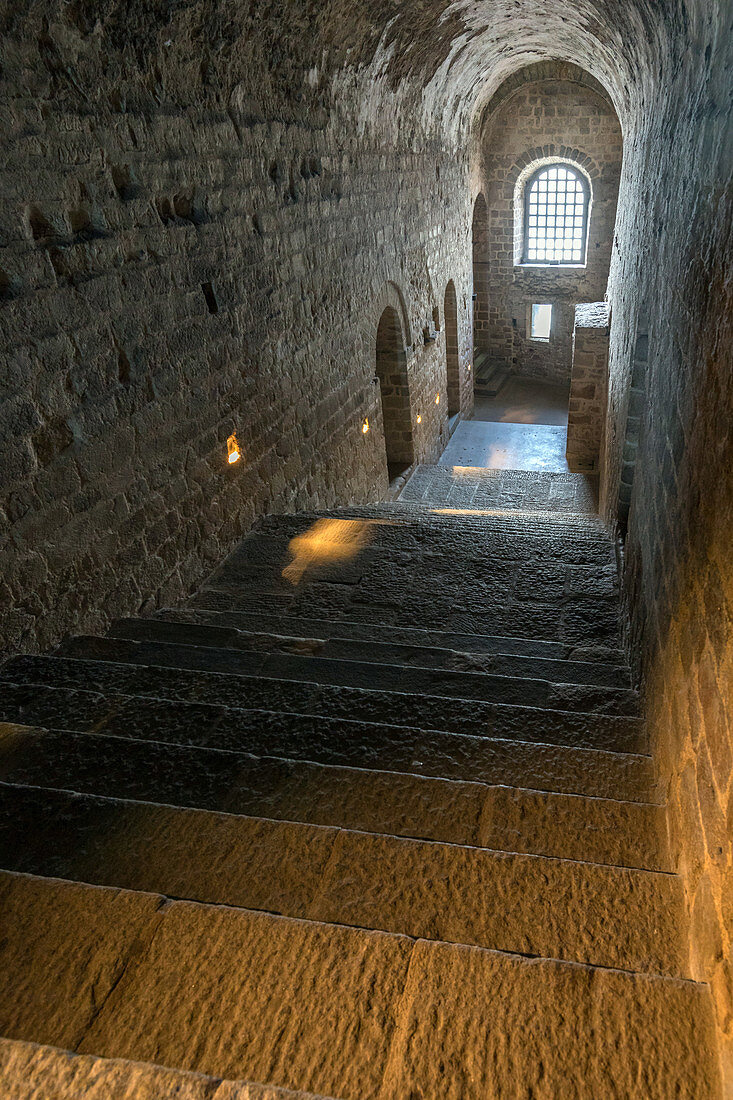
point(588, 380)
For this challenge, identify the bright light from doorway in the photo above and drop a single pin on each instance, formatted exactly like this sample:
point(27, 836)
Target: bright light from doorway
point(541, 322)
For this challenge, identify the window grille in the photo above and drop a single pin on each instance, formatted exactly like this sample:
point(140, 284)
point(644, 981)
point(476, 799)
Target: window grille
point(555, 216)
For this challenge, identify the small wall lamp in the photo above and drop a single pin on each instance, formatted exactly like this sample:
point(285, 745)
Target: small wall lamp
point(233, 450)
point(365, 426)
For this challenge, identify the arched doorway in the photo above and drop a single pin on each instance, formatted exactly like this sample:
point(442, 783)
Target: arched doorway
point(480, 239)
point(393, 385)
point(450, 312)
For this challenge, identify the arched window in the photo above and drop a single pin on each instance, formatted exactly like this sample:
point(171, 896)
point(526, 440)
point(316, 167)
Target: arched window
point(556, 200)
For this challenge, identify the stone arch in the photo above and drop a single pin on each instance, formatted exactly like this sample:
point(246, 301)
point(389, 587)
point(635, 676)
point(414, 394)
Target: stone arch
point(453, 380)
point(528, 164)
point(391, 369)
point(538, 73)
point(480, 253)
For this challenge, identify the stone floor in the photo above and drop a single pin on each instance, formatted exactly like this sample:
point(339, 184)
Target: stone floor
point(499, 446)
point(523, 428)
point(525, 401)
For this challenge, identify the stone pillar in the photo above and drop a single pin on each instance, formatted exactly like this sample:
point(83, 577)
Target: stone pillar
point(588, 382)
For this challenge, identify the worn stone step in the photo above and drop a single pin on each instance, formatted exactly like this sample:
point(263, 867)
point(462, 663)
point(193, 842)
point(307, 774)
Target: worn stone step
point(335, 741)
point(121, 974)
point(29, 1070)
point(485, 515)
point(172, 629)
point(463, 487)
point(607, 732)
point(368, 676)
point(468, 568)
point(481, 644)
point(625, 918)
point(598, 830)
point(575, 622)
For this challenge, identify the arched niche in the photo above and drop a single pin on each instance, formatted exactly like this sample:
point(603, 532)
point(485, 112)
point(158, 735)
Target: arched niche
point(391, 369)
point(453, 381)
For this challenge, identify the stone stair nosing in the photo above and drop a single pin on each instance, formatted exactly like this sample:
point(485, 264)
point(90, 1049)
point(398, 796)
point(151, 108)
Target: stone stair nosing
point(33, 1070)
point(325, 629)
point(334, 742)
point(373, 651)
point(616, 917)
point(608, 732)
point(589, 828)
point(370, 1015)
point(352, 674)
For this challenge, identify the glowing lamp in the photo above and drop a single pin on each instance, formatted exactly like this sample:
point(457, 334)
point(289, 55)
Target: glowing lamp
point(233, 452)
point(419, 420)
point(437, 399)
point(365, 426)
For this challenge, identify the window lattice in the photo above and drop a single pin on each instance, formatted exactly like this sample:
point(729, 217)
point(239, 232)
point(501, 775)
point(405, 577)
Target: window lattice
point(555, 217)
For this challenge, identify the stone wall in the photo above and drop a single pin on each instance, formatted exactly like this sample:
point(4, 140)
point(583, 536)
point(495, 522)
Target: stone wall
point(588, 386)
point(554, 112)
point(175, 269)
point(671, 369)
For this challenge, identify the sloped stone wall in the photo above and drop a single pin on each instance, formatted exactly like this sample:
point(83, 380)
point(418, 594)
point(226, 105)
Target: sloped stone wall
point(555, 111)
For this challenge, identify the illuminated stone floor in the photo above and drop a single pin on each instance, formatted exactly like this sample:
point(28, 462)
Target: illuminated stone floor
point(498, 446)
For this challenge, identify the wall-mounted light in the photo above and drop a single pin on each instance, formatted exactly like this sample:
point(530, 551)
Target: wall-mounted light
point(365, 426)
point(419, 420)
point(469, 368)
point(233, 452)
point(437, 399)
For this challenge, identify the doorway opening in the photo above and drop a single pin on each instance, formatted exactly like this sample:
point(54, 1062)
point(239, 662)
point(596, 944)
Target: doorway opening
point(395, 394)
point(453, 383)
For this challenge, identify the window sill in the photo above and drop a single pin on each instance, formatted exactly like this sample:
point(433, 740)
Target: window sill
point(550, 267)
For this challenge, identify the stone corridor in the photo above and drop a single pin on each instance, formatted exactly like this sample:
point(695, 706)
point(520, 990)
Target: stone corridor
point(373, 815)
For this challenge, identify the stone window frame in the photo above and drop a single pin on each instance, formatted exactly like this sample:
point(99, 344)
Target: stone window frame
point(519, 175)
point(527, 193)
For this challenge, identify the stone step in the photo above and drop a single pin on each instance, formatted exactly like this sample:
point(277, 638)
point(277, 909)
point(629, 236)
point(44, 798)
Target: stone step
point(387, 679)
point(481, 644)
point(597, 830)
point(267, 559)
point(610, 733)
point(515, 520)
point(628, 919)
point(211, 634)
point(480, 488)
point(335, 741)
point(335, 1010)
point(574, 622)
point(31, 1070)
point(398, 529)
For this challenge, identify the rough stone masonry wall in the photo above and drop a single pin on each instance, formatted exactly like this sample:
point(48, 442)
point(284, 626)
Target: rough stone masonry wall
point(674, 269)
point(588, 386)
point(556, 110)
point(179, 261)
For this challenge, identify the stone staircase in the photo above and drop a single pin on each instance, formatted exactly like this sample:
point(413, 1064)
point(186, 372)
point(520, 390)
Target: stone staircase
point(372, 816)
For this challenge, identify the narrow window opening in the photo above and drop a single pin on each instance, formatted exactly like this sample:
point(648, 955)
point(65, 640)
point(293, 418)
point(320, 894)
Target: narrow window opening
point(541, 321)
point(211, 302)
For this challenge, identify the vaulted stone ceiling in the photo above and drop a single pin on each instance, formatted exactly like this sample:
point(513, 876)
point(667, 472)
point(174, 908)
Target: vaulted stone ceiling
point(379, 63)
